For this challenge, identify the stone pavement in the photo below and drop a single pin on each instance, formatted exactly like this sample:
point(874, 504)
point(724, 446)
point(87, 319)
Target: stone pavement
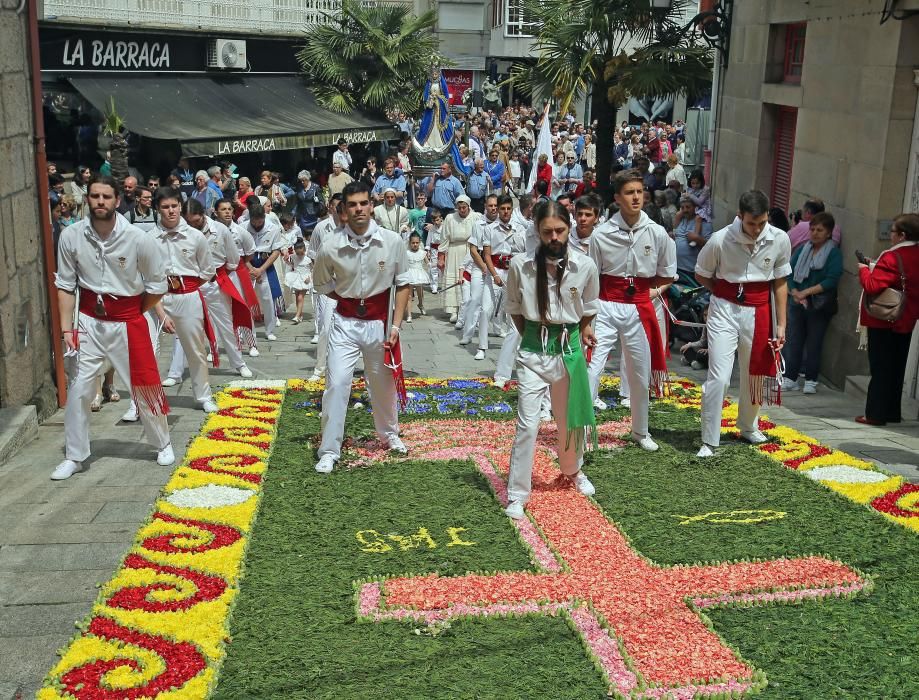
point(60, 540)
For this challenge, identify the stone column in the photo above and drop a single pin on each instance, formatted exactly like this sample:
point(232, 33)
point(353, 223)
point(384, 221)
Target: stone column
point(911, 204)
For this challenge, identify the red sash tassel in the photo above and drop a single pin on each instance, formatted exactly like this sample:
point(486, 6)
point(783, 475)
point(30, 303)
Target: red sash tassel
point(615, 289)
point(193, 284)
point(765, 382)
point(146, 389)
point(242, 317)
point(392, 358)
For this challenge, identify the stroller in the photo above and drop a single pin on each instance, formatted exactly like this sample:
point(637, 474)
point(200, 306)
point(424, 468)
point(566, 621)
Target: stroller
point(688, 301)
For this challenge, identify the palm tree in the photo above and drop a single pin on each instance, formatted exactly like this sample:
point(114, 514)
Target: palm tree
point(613, 50)
point(371, 57)
point(113, 126)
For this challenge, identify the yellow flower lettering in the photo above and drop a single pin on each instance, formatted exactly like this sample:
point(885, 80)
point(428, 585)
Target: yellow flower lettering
point(414, 541)
point(373, 541)
point(455, 541)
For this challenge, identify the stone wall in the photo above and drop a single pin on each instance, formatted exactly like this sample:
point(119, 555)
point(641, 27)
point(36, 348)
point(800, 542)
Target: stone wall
point(856, 105)
point(26, 374)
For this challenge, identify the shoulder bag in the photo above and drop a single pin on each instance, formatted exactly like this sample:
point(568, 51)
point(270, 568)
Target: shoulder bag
point(888, 305)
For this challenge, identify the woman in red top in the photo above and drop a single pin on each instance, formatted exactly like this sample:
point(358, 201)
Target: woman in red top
point(242, 197)
point(888, 343)
point(543, 171)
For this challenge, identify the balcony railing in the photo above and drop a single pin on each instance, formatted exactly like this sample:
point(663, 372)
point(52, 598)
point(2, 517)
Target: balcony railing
point(277, 17)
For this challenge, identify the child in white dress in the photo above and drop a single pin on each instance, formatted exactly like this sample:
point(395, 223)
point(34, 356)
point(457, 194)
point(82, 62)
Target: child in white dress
point(417, 271)
point(299, 277)
point(432, 245)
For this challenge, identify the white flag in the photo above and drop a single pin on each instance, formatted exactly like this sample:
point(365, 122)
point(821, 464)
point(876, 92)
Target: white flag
point(543, 145)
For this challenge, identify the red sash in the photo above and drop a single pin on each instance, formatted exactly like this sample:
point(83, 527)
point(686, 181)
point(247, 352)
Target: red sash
point(502, 262)
point(764, 358)
point(467, 275)
point(146, 389)
point(245, 281)
point(616, 289)
point(242, 318)
point(186, 285)
point(375, 308)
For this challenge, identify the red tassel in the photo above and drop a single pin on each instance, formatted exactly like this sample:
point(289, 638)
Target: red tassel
point(392, 358)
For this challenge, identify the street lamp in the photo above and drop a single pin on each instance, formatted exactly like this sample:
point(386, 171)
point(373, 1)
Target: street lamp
point(712, 26)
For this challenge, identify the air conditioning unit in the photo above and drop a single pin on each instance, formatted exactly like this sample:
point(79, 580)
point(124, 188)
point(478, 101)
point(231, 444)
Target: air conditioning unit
point(226, 53)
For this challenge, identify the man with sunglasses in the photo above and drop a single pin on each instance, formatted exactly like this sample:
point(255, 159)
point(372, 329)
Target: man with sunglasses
point(142, 214)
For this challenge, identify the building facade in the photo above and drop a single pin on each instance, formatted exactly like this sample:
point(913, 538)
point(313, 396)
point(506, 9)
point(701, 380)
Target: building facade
point(26, 374)
point(819, 100)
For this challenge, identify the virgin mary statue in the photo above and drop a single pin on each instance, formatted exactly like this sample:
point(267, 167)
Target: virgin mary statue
point(435, 140)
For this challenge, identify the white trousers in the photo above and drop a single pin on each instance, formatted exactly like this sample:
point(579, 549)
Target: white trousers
point(187, 314)
point(220, 312)
point(435, 271)
point(103, 345)
point(624, 390)
point(234, 275)
point(266, 303)
point(536, 373)
point(350, 338)
point(730, 330)
point(508, 354)
point(617, 321)
point(466, 310)
point(325, 308)
point(481, 298)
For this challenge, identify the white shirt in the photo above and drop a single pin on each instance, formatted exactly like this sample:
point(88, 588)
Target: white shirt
point(505, 239)
point(730, 255)
point(245, 244)
point(222, 246)
point(582, 245)
point(520, 219)
point(288, 238)
point(480, 237)
point(323, 228)
point(433, 238)
point(358, 270)
point(269, 216)
point(268, 239)
point(343, 158)
point(129, 262)
point(393, 218)
point(186, 251)
point(580, 290)
point(644, 251)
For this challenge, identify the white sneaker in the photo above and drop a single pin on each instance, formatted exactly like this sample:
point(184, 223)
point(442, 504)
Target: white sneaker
point(583, 485)
point(459, 325)
point(131, 415)
point(271, 336)
point(253, 352)
point(453, 318)
point(500, 382)
point(600, 404)
point(810, 387)
point(166, 456)
point(409, 319)
point(315, 377)
point(647, 443)
point(396, 445)
point(315, 340)
point(545, 416)
point(208, 406)
point(515, 510)
point(170, 381)
point(625, 402)
point(210, 357)
point(480, 355)
point(66, 469)
point(705, 451)
point(422, 311)
point(695, 364)
point(754, 437)
point(789, 384)
point(325, 464)
point(464, 341)
point(296, 320)
point(245, 372)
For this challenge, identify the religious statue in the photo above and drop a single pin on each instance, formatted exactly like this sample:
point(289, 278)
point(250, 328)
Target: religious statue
point(491, 94)
point(435, 140)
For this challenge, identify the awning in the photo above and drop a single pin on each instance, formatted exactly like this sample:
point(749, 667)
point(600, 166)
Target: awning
point(218, 115)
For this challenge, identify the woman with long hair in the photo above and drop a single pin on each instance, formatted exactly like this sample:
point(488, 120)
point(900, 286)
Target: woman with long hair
point(552, 297)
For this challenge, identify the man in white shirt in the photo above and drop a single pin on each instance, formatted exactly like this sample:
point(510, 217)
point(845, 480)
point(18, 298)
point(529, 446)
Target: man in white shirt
point(633, 255)
point(342, 156)
point(481, 303)
point(118, 272)
point(745, 265)
point(245, 245)
point(228, 313)
point(359, 267)
point(325, 305)
point(189, 266)
point(552, 299)
point(268, 244)
point(391, 215)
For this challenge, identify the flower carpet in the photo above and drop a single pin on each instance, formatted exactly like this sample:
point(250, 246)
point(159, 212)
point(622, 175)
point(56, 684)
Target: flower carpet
point(786, 569)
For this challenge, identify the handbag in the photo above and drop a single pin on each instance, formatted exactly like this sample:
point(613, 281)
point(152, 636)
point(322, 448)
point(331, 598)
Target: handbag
point(824, 302)
point(888, 305)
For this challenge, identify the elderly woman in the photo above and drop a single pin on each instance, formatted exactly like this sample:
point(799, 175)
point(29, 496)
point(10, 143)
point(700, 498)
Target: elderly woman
point(888, 342)
point(543, 172)
point(454, 244)
point(308, 201)
point(243, 194)
point(817, 267)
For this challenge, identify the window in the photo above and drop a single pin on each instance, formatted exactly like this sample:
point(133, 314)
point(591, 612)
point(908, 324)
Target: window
point(497, 13)
point(794, 52)
point(516, 25)
point(783, 156)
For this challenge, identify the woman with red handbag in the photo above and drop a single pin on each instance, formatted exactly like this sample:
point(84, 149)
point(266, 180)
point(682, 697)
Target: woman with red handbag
point(890, 320)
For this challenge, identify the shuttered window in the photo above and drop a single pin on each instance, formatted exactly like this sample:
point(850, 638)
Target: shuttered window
point(784, 155)
point(795, 35)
